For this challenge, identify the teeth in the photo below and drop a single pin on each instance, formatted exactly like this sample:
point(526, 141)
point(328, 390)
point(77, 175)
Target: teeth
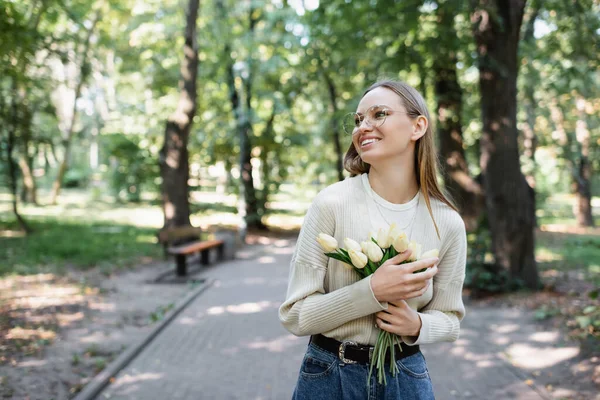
point(368, 141)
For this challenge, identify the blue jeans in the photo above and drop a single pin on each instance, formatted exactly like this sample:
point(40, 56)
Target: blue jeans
point(323, 376)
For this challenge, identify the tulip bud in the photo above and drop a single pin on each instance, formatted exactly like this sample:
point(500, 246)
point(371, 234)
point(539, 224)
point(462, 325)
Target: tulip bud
point(401, 242)
point(393, 231)
point(383, 239)
point(430, 254)
point(415, 250)
point(364, 245)
point(359, 260)
point(328, 243)
point(373, 252)
point(351, 244)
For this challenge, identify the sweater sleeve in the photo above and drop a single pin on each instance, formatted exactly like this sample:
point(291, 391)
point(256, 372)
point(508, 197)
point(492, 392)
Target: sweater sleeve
point(442, 315)
point(307, 309)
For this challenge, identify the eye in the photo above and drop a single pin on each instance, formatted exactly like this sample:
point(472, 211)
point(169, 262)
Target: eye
point(357, 120)
point(380, 114)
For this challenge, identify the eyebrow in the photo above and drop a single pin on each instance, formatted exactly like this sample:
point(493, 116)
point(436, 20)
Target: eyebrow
point(376, 105)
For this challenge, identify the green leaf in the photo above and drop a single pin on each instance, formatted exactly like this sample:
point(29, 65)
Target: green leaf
point(589, 309)
point(593, 294)
point(339, 257)
point(583, 321)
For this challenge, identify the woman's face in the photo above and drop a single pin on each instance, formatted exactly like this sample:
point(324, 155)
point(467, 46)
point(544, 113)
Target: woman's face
point(395, 137)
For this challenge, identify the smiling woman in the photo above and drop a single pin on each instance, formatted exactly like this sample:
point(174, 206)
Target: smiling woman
point(393, 168)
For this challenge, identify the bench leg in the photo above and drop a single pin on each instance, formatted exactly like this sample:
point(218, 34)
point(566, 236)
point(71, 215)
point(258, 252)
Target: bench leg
point(181, 267)
point(204, 257)
point(221, 252)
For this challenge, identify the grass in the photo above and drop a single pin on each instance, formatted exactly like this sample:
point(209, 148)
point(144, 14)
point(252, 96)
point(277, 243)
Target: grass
point(57, 244)
point(570, 252)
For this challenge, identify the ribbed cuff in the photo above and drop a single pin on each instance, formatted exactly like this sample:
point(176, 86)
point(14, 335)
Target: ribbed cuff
point(434, 328)
point(363, 298)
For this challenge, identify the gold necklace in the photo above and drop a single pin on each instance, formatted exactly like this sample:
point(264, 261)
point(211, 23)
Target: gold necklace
point(411, 220)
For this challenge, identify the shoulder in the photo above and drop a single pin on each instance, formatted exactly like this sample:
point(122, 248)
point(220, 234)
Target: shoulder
point(336, 193)
point(448, 220)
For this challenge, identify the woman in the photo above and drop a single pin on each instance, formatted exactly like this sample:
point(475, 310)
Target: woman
point(392, 162)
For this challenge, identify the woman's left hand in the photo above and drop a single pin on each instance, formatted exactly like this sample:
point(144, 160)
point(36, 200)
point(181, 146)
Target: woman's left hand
point(400, 319)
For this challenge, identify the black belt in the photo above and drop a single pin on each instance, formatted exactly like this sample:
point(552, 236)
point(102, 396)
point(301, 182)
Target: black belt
point(351, 352)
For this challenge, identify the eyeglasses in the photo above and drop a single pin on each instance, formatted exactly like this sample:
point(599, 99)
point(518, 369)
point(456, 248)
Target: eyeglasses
point(375, 116)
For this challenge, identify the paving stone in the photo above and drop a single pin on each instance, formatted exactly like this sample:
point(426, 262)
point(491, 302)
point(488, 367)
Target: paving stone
point(228, 344)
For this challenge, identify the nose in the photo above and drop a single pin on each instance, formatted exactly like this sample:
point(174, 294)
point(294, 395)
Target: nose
point(364, 126)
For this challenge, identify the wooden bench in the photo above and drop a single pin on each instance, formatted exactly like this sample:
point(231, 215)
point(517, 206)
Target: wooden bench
point(182, 242)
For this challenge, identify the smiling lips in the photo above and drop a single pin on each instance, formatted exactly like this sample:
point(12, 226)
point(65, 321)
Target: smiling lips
point(367, 141)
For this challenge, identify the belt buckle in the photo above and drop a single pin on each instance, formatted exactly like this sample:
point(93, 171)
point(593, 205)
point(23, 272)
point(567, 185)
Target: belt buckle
point(342, 352)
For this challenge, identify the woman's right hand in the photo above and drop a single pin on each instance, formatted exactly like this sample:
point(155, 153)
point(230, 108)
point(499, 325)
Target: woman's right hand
point(392, 282)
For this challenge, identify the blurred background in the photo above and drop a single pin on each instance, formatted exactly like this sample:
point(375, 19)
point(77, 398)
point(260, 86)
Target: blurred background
point(120, 118)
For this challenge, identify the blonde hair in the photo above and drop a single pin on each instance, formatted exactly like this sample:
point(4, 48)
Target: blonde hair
point(426, 161)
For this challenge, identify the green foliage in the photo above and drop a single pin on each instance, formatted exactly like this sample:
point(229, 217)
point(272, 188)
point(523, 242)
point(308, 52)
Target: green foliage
point(59, 244)
point(132, 167)
point(482, 276)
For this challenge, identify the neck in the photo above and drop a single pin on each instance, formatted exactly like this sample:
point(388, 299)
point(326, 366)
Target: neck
point(395, 181)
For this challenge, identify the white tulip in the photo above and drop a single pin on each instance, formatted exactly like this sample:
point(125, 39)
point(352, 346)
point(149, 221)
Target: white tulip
point(351, 244)
point(373, 252)
point(359, 260)
point(328, 243)
point(383, 238)
point(415, 249)
point(400, 242)
point(430, 254)
point(364, 245)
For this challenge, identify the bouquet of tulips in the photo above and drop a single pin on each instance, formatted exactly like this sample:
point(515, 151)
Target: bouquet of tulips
point(365, 258)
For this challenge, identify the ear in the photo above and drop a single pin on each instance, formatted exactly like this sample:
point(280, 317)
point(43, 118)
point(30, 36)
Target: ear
point(420, 125)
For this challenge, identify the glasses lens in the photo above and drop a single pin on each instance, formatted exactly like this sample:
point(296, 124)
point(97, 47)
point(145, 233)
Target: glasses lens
point(350, 122)
point(376, 116)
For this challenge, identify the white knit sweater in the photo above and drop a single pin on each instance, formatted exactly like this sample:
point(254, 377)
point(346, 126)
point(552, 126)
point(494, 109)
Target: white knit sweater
point(325, 297)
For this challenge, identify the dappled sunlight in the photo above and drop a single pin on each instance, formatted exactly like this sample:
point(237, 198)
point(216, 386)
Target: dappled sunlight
point(545, 337)
point(30, 334)
point(46, 291)
point(252, 281)
point(100, 306)
point(501, 341)
point(283, 251)
point(507, 328)
point(266, 260)
point(244, 308)
point(527, 356)
point(133, 380)
point(12, 234)
point(544, 254)
point(32, 364)
point(287, 222)
point(12, 281)
point(276, 345)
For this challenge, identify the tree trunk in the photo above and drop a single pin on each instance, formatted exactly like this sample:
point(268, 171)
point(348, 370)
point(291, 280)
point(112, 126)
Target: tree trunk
point(583, 173)
point(335, 125)
point(84, 71)
point(12, 168)
point(173, 160)
point(466, 191)
point(509, 199)
point(246, 132)
point(530, 139)
point(266, 169)
point(29, 189)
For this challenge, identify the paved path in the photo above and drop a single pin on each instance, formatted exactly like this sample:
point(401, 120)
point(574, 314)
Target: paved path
point(228, 344)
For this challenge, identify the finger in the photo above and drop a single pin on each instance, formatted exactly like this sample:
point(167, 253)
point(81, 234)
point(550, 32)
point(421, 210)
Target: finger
point(421, 277)
point(397, 259)
point(385, 325)
point(417, 293)
point(420, 264)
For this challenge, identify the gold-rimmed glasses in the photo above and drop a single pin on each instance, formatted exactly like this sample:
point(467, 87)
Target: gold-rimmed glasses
point(374, 116)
